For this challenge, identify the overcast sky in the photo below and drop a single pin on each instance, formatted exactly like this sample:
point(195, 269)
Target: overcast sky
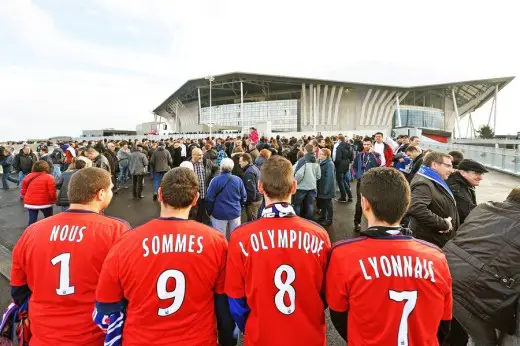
point(90, 64)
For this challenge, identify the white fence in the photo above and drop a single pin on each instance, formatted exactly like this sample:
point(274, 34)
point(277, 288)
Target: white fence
point(504, 160)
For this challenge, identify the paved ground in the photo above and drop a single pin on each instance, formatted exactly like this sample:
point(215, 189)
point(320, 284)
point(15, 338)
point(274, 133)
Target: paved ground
point(13, 219)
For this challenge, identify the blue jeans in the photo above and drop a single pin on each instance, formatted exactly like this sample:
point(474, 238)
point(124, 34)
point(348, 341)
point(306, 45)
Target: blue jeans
point(124, 174)
point(221, 225)
point(6, 176)
point(21, 176)
point(157, 177)
point(56, 171)
point(33, 214)
point(304, 198)
point(344, 186)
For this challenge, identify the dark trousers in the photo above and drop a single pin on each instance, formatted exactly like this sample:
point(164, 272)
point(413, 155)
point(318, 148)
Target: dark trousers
point(6, 176)
point(303, 198)
point(114, 182)
point(252, 210)
point(33, 214)
point(137, 185)
point(200, 213)
point(458, 336)
point(357, 217)
point(344, 187)
point(325, 205)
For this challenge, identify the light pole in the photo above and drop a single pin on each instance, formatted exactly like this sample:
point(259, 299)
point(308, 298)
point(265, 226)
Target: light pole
point(211, 79)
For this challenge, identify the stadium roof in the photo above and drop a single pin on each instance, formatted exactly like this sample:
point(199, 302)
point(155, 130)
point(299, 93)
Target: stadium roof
point(226, 87)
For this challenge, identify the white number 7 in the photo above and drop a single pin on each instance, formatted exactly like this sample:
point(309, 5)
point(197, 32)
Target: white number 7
point(411, 299)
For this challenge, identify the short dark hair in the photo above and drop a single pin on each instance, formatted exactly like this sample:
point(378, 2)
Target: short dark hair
point(379, 133)
point(41, 166)
point(86, 183)
point(79, 164)
point(411, 148)
point(435, 156)
point(388, 193)
point(309, 148)
point(367, 139)
point(413, 137)
point(247, 157)
point(277, 177)
point(457, 157)
point(179, 187)
point(514, 195)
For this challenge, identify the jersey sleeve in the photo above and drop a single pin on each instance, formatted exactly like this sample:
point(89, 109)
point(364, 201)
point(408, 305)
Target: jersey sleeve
point(18, 273)
point(335, 285)
point(222, 251)
point(109, 288)
point(235, 271)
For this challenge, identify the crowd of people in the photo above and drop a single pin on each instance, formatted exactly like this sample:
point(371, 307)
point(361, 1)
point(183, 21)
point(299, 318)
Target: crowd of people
point(428, 267)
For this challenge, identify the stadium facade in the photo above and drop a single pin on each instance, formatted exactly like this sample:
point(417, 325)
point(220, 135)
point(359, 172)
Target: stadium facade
point(292, 104)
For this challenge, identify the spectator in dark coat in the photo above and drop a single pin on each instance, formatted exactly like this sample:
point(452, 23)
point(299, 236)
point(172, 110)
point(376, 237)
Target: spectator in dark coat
point(137, 167)
point(457, 157)
point(62, 183)
point(23, 162)
point(292, 155)
point(39, 191)
point(417, 156)
point(342, 161)
point(6, 161)
point(176, 154)
point(433, 210)
point(326, 187)
point(237, 169)
point(250, 179)
point(160, 163)
point(114, 166)
point(463, 182)
point(98, 160)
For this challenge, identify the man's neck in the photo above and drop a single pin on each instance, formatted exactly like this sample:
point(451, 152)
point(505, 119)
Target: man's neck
point(87, 207)
point(176, 213)
point(269, 201)
point(377, 223)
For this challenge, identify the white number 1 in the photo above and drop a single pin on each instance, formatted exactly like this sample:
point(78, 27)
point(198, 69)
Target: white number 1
point(65, 288)
point(411, 299)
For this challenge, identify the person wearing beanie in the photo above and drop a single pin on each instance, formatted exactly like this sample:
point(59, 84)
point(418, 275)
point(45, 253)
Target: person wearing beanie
point(463, 183)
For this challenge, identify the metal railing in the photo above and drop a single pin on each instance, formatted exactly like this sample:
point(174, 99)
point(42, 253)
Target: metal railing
point(503, 160)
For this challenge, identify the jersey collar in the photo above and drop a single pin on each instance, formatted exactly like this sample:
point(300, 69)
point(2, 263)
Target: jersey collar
point(278, 210)
point(80, 211)
point(172, 218)
point(387, 232)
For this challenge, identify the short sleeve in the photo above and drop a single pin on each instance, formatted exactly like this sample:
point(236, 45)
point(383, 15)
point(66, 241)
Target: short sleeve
point(18, 270)
point(109, 288)
point(222, 250)
point(448, 299)
point(335, 285)
point(235, 272)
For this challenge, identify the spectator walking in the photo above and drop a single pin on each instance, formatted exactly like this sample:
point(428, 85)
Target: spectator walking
point(342, 161)
point(463, 183)
point(176, 154)
point(433, 211)
point(385, 151)
point(326, 188)
point(98, 160)
point(137, 167)
point(123, 158)
point(161, 162)
point(62, 183)
point(114, 166)
point(306, 173)
point(225, 198)
point(23, 162)
point(483, 258)
point(58, 159)
point(206, 171)
point(365, 161)
point(250, 179)
point(6, 161)
point(39, 191)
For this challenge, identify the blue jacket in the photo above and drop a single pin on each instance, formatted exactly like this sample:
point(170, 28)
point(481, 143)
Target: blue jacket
point(365, 161)
point(227, 205)
point(251, 177)
point(326, 184)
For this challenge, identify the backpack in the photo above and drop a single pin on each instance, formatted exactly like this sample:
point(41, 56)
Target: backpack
point(57, 157)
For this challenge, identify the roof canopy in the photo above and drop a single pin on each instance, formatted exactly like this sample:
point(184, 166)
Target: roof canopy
point(225, 89)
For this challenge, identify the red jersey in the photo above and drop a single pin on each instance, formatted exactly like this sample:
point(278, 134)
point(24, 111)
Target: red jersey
point(278, 264)
point(60, 259)
point(169, 270)
point(396, 290)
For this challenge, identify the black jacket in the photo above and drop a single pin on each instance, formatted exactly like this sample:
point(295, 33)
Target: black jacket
point(464, 195)
point(416, 165)
point(292, 155)
point(250, 179)
point(344, 156)
point(483, 259)
point(112, 161)
point(161, 160)
point(62, 183)
point(176, 156)
point(429, 207)
point(24, 162)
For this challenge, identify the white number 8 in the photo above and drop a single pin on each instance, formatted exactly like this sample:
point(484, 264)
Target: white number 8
point(285, 287)
point(177, 294)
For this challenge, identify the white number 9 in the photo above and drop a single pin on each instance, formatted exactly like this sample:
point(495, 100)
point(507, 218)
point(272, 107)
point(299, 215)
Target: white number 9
point(177, 294)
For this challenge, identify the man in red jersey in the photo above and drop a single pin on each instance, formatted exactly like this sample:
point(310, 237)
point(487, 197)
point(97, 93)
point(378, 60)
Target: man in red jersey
point(276, 268)
point(385, 287)
point(57, 262)
point(167, 276)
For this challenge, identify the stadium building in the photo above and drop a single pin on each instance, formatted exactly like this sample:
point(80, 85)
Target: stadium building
point(237, 101)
